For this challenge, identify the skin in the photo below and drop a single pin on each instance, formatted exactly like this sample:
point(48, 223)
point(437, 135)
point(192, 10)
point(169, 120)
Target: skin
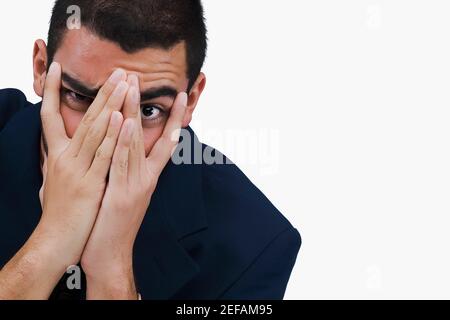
point(87, 139)
point(91, 60)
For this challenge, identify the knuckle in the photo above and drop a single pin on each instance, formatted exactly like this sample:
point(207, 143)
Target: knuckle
point(134, 145)
point(88, 119)
point(111, 133)
point(102, 155)
point(111, 105)
point(63, 165)
point(166, 138)
point(123, 164)
point(134, 113)
point(94, 133)
point(59, 167)
point(170, 138)
point(106, 90)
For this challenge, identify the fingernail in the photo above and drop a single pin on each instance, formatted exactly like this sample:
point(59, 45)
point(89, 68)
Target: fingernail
point(134, 80)
point(53, 67)
point(116, 118)
point(184, 99)
point(116, 76)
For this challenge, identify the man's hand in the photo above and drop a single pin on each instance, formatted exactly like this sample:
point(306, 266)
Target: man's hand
point(74, 187)
point(107, 258)
point(77, 168)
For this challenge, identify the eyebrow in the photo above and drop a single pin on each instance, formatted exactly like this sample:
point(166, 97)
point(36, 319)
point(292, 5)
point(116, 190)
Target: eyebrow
point(79, 87)
point(154, 93)
point(149, 94)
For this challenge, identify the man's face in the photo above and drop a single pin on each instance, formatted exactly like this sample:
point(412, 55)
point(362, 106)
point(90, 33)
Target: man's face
point(87, 62)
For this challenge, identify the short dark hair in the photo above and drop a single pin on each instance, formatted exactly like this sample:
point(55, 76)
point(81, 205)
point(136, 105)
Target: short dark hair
point(138, 24)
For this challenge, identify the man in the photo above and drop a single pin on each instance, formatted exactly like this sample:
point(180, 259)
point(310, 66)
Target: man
point(116, 93)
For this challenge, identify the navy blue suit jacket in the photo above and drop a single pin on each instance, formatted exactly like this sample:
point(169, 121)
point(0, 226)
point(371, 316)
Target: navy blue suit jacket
point(209, 233)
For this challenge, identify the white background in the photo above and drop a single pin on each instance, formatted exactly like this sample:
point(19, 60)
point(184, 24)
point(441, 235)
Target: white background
point(352, 100)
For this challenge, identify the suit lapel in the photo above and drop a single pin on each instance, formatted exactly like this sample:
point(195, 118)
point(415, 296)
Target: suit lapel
point(162, 266)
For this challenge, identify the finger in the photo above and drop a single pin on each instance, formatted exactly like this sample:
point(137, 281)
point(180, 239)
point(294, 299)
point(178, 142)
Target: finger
point(52, 121)
point(129, 110)
point(164, 147)
point(44, 173)
point(103, 156)
point(119, 166)
point(137, 150)
point(95, 109)
point(97, 131)
point(139, 129)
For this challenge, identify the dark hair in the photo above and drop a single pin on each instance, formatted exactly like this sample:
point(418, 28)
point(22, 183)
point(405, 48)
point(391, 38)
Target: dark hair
point(138, 24)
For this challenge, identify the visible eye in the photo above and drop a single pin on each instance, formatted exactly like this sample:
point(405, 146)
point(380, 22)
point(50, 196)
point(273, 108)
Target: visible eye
point(76, 101)
point(77, 96)
point(151, 112)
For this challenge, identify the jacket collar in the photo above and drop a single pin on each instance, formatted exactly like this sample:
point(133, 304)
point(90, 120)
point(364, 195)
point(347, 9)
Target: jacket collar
point(162, 265)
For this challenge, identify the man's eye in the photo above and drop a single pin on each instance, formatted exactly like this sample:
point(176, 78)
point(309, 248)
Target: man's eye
point(76, 101)
point(151, 112)
point(77, 97)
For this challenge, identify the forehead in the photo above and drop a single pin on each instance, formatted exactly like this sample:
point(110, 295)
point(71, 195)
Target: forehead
point(92, 60)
